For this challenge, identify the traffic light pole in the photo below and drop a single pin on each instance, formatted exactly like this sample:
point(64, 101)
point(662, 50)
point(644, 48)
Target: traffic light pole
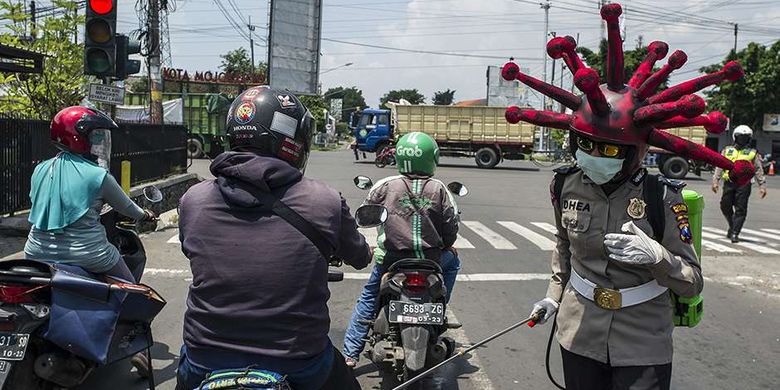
point(155, 71)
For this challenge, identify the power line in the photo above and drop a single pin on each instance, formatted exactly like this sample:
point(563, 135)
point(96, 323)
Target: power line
point(424, 51)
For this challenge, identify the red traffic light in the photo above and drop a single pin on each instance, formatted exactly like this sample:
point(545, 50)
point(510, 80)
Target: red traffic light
point(101, 7)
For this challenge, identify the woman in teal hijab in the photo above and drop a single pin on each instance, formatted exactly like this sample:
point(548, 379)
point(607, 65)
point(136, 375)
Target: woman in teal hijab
point(69, 191)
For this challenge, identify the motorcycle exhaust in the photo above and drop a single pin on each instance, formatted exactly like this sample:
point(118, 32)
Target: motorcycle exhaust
point(63, 371)
point(438, 352)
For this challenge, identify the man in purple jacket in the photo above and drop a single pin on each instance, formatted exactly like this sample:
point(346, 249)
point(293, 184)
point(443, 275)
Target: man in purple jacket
point(259, 291)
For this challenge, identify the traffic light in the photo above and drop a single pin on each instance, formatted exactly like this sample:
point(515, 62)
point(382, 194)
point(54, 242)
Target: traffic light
point(124, 48)
point(100, 44)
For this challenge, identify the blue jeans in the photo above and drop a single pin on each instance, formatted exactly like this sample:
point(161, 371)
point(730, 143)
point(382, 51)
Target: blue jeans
point(366, 309)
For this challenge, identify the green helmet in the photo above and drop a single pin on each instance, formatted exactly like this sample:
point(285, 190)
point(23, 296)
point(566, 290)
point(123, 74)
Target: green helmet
point(417, 153)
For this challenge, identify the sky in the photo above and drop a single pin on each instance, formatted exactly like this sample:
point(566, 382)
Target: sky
point(488, 32)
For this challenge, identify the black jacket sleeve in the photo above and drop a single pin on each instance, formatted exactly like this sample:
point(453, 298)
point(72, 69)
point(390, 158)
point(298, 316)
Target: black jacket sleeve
point(352, 248)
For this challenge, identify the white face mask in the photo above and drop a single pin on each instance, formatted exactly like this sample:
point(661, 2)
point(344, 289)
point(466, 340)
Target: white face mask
point(100, 141)
point(599, 169)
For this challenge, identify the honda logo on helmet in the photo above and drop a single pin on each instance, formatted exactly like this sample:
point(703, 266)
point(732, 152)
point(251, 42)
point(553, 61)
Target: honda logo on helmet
point(409, 151)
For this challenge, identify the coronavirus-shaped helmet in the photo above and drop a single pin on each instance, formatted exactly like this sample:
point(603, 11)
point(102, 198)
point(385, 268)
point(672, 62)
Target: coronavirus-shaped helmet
point(631, 114)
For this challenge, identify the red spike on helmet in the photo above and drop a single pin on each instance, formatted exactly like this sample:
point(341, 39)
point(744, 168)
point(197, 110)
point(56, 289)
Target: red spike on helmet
point(631, 114)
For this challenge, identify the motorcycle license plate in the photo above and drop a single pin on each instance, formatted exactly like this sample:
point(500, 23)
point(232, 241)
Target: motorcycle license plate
point(416, 313)
point(13, 345)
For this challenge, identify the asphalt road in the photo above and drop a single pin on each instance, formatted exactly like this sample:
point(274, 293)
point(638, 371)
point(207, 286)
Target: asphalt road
point(504, 267)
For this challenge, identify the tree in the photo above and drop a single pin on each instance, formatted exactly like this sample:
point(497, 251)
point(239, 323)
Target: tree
point(631, 59)
point(62, 82)
point(746, 101)
point(412, 95)
point(238, 61)
point(352, 98)
point(316, 105)
point(443, 98)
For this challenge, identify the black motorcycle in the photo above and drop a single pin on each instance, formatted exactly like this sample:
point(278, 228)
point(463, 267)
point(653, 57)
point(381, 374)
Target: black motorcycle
point(407, 335)
point(35, 355)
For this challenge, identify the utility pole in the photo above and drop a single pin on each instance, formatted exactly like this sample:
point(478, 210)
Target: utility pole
point(32, 20)
point(546, 8)
point(251, 42)
point(736, 32)
point(155, 72)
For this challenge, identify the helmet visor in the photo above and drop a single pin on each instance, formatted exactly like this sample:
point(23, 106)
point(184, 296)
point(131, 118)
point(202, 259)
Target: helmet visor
point(100, 147)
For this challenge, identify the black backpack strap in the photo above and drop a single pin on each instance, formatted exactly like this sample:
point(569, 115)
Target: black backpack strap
point(305, 227)
point(272, 203)
point(653, 195)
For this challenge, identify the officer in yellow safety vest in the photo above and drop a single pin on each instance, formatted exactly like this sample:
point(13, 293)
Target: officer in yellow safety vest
point(734, 201)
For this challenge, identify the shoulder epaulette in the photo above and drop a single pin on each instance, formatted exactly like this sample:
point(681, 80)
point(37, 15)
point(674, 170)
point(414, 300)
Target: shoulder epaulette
point(677, 185)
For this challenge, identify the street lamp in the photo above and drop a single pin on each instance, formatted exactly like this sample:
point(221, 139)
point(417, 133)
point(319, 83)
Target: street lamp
point(338, 67)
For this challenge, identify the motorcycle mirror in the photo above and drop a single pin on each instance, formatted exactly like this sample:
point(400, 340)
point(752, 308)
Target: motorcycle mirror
point(370, 215)
point(458, 188)
point(153, 194)
point(363, 182)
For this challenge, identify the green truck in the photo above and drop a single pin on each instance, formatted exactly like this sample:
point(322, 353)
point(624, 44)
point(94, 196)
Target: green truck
point(204, 116)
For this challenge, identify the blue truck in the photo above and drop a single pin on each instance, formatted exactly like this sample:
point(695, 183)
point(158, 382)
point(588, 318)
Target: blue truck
point(479, 132)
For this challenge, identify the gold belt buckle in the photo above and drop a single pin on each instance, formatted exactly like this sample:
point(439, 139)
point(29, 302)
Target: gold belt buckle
point(607, 298)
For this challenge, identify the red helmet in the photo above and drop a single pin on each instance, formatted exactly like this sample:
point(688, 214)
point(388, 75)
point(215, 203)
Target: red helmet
point(71, 126)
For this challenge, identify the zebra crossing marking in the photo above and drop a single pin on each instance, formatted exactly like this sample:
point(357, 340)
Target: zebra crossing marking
point(717, 234)
point(546, 226)
point(718, 247)
point(462, 243)
point(712, 238)
point(537, 239)
point(762, 234)
point(493, 238)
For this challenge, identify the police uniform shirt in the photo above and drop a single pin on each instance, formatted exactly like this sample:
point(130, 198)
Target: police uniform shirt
point(632, 336)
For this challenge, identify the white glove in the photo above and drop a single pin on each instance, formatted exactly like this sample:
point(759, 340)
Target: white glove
point(550, 307)
point(634, 248)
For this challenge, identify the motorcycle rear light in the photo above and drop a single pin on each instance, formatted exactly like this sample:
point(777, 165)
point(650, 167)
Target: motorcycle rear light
point(416, 281)
point(17, 294)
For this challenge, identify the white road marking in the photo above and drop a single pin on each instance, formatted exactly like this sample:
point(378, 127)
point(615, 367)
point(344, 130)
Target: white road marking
point(714, 234)
point(502, 277)
point(718, 247)
point(495, 239)
point(546, 226)
point(166, 271)
point(462, 243)
point(537, 239)
point(479, 378)
point(762, 234)
point(775, 231)
point(370, 234)
point(174, 239)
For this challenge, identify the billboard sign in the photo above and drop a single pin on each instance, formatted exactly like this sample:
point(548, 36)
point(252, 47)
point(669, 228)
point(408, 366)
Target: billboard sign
point(772, 122)
point(294, 45)
point(503, 93)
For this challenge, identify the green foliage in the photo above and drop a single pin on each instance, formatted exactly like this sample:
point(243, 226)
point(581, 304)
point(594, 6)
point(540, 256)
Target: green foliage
point(353, 99)
point(412, 95)
point(443, 98)
point(238, 61)
point(746, 101)
point(316, 105)
point(62, 82)
point(631, 59)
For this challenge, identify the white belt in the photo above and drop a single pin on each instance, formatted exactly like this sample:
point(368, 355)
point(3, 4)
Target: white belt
point(610, 299)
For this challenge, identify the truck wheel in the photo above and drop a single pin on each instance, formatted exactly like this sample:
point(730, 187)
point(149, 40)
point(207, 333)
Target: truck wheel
point(675, 168)
point(194, 148)
point(486, 158)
